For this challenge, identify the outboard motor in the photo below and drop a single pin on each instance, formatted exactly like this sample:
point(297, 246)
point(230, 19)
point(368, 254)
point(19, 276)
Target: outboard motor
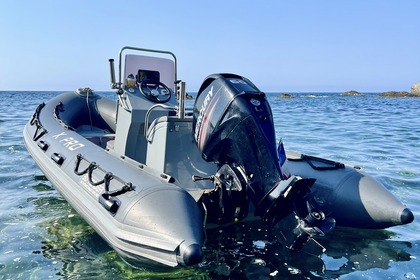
point(233, 127)
point(233, 124)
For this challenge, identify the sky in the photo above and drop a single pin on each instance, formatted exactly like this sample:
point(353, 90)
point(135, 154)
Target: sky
point(280, 45)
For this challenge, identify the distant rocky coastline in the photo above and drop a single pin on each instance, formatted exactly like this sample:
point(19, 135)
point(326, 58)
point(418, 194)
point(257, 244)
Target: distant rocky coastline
point(415, 92)
point(395, 94)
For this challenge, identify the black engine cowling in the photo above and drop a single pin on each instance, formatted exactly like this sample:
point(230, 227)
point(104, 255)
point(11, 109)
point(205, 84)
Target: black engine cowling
point(233, 124)
point(233, 127)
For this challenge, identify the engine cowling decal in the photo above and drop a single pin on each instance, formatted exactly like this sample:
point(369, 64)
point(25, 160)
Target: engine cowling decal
point(201, 114)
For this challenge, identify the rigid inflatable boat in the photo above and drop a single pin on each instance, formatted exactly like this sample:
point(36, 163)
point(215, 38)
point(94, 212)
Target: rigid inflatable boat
point(149, 174)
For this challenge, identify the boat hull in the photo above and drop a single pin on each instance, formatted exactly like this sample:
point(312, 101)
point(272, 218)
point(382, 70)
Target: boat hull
point(349, 195)
point(151, 218)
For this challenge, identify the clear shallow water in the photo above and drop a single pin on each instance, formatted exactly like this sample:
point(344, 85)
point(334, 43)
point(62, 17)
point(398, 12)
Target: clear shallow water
point(41, 237)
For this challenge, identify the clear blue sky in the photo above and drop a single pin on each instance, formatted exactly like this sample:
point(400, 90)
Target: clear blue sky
point(282, 46)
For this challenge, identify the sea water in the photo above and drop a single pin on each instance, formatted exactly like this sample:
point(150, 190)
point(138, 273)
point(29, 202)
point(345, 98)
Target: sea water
point(42, 237)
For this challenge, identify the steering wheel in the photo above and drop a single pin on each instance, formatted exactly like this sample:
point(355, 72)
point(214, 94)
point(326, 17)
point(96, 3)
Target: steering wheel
point(155, 91)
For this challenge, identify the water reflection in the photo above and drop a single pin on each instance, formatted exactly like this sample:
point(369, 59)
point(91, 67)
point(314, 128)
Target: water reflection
point(363, 250)
point(232, 254)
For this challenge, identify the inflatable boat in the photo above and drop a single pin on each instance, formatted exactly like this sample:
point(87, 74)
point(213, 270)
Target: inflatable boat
point(149, 174)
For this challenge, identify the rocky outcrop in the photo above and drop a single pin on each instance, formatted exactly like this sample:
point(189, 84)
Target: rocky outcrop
point(415, 92)
point(351, 93)
point(415, 89)
point(189, 97)
point(286, 95)
point(398, 94)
